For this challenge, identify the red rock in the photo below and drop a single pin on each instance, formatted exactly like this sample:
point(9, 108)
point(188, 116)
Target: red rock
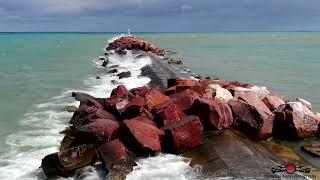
point(145, 120)
point(272, 102)
point(121, 91)
point(214, 113)
point(129, 42)
point(141, 137)
point(168, 114)
point(114, 155)
point(184, 134)
point(318, 134)
point(133, 108)
point(184, 99)
point(252, 121)
point(140, 91)
point(85, 114)
point(294, 121)
point(66, 162)
point(146, 114)
point(252, 99)
point(98, 131)
point(155, 97)
point(116, 105)
point(200, 89)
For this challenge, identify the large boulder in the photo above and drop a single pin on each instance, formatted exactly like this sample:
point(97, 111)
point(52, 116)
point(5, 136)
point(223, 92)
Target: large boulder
point(294, 120)
point(135, 107)
point(85, 114)
point(121, 91)
point(184, 99)
point(167, 113)
point(252, 121)
point(66, 162)
point(141, 137)
point(116, 105)
point(183, 135)
point(155, 97)
point(272, 102)
point(214, 113)
point(140, 91)
point(88, 100)
point(261, 91)
point(117, 159)
point(218, 92)
point(98, 131)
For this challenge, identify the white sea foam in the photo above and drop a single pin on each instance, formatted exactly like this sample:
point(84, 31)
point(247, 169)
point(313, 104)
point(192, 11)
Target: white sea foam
point(40, 126)
point(164, 167)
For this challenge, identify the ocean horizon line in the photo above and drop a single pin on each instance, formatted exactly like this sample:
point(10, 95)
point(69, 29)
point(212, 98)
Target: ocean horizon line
point(111, 32)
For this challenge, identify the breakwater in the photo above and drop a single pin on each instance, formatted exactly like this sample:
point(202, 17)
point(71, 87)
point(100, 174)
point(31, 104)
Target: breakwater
point(116, 109)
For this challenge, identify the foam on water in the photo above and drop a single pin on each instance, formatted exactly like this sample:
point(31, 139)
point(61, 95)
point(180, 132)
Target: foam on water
point(164, 167)
point(40, 126)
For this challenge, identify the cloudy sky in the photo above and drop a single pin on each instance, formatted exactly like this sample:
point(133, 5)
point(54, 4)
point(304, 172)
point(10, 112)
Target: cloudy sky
point(159, 15)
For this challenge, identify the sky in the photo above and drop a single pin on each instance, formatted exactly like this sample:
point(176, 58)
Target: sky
point(159, 15)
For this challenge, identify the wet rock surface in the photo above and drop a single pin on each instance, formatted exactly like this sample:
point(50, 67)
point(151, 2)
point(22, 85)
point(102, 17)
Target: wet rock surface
point(184, 134)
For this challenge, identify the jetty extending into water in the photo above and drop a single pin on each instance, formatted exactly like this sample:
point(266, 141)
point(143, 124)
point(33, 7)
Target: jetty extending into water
point(226, 128)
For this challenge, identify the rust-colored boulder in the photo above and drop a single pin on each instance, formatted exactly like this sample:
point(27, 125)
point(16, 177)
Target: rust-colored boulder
point(121, 91)
point(85, 114)
point(168, 114)
point(137, 43)
point(134, 108)
point(272, 102)
point(98, 131)
point(250, 120)
point(214, 113)
point(66, 162)
point(117, 158)
point(294, 120)
point(115, 105)
point(184, 99)
point(155, 97)
point(145, 120)
point(140, 91)
point(141, 137)
point(183, 135)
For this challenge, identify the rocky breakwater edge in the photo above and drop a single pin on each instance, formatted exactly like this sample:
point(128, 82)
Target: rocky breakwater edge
point(178, 118)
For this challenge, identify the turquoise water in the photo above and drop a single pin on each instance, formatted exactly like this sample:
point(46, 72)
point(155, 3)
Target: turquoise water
point(38, 71)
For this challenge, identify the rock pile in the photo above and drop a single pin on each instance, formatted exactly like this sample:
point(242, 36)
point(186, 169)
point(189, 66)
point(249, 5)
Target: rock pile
point(141, 122)
point(130, 43)
point(144, 121)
